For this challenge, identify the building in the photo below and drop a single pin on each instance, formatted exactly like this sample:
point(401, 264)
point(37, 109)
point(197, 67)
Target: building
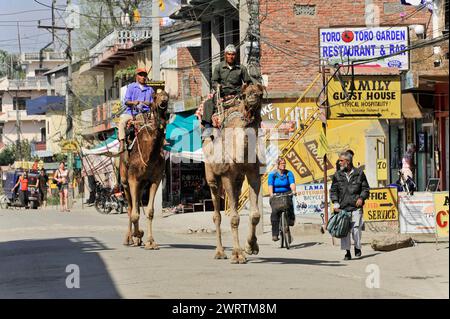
point(290, 61)
point(14, 94)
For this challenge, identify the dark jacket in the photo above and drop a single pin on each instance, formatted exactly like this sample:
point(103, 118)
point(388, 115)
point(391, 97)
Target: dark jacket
point(231, 80)
point(346, 192)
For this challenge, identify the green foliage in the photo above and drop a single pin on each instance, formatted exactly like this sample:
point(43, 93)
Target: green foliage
point(10, 153)
point(59, 157)
point(128, 72)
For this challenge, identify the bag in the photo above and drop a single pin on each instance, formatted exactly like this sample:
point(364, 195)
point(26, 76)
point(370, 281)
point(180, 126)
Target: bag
point(339, 224)
point(281, 203)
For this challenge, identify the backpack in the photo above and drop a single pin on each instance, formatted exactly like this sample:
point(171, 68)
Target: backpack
point(339, 224)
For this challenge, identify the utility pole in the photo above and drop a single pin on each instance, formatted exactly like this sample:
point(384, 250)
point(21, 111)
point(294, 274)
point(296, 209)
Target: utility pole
point(156, 45)
point(254, 45)
point(18, 121)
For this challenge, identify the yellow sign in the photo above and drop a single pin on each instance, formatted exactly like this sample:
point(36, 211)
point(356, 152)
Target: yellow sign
point(162, 5)
point(115, 108)
point(367, 97)
point(304, 160)
point(382, 172)
point(441, 213)
point(28, 165)
point(382, 205)
point(69, 146)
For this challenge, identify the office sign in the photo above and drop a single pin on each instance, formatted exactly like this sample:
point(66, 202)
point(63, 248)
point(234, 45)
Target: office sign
point(381, 205)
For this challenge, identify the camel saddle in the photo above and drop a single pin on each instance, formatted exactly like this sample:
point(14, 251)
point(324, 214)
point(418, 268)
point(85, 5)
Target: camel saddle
point(134, 126)
point(230, 110)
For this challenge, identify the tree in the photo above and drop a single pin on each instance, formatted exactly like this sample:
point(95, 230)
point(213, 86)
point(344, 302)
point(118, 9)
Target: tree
point(98, 18)
point(10, 153)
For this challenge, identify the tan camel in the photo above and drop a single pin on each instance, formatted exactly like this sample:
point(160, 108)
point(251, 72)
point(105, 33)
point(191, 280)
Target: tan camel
point(144, 166)
point(230, 157)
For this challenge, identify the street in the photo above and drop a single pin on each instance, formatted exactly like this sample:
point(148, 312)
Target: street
point(36, 246)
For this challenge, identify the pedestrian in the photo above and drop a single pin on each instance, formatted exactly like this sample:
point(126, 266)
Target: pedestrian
point(62, 179)
point(281, 181)
point(22, 183)
point(408, 169)
point(42, 186)
point(349, 190)
point(92, 184)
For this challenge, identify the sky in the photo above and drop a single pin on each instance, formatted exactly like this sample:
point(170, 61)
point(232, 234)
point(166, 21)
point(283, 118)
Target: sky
point(27, 13)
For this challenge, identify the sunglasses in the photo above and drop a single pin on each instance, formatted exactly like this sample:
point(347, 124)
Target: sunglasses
point(142, 74)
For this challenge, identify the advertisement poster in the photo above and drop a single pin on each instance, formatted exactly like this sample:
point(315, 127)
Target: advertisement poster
point(441, 209)
point(417, 213)
point(310, 199)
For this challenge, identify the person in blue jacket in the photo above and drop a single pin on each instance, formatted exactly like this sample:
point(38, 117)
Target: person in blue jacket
point(281, 181)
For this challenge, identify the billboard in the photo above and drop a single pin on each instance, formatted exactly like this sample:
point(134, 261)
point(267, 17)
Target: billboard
point(346, 44)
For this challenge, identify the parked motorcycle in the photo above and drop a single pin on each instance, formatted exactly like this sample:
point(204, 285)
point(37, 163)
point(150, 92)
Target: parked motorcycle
point(108, 199)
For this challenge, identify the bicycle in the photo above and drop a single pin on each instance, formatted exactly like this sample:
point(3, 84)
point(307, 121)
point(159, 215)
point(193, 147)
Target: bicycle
point(283, 201)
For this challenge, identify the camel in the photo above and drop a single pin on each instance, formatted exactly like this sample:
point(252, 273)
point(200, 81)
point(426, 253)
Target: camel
point(144, 166)
point(227, 163)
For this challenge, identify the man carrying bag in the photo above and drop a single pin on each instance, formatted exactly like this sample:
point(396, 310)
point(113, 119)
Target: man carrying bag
point(349, 190)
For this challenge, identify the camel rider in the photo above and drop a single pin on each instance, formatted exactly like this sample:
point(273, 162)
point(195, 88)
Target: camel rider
point(230, 76)
point(138, 99)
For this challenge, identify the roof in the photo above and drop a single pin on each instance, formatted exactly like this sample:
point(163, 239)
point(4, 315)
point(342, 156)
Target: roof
point(57, 69)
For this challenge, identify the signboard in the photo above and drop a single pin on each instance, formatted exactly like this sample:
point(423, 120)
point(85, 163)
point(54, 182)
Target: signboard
point(115, 108)
point(69, 146)
point(442, 214)
point(382, 172)
point(381, 206)
point(417, 213)
point(343, 45)
point(365, 97)
point(310, 199)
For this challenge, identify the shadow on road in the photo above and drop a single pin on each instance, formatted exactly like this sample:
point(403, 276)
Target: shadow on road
point(305, 245)
point(366, 256)
point(296, 261)
point(187, 246)
point(37, 269)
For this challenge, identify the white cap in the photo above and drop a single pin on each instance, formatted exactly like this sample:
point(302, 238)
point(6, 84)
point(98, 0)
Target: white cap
point(230, 48)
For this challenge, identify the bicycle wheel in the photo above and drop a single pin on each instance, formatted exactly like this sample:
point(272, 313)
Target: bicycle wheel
point(281, 231)
point(285, 230)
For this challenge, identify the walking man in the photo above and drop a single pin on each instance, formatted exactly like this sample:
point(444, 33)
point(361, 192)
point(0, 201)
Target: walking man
point(349, 190)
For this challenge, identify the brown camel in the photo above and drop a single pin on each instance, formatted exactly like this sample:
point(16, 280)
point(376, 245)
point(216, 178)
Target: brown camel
point(144, 166)
point(230, 156)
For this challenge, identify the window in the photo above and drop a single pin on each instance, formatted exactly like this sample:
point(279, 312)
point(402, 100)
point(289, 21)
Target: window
point(20, 102)
point(304, 10)
point(0, 104)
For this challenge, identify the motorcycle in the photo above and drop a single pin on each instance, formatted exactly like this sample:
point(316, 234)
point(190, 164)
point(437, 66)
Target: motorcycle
point(108, 199)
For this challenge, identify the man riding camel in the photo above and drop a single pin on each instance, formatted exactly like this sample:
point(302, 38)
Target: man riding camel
point(230, 77)
point(138, 99)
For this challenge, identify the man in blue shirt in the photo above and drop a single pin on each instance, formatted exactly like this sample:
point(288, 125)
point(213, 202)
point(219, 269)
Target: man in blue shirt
point(281, 181)
point(138, 99)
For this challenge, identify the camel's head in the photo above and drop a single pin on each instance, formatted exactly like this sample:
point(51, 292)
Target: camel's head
point(161, 100)
point(252, 96)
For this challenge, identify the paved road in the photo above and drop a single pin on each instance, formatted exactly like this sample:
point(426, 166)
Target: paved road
point(37, 246)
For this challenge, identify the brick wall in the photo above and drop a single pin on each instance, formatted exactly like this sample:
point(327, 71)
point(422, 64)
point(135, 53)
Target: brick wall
point(297, 35)
point(189, 75)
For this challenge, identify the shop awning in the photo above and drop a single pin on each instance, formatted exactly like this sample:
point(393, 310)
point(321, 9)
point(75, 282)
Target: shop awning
point(410, 108)
point(183, 134)
point(45, 103)
point(109, 147)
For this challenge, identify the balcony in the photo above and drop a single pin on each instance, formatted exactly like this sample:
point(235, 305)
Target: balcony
point(116, 46)
point(39, 146)
point(47, 56)
point(34, 83)
point(12, 116)
point(99, 118)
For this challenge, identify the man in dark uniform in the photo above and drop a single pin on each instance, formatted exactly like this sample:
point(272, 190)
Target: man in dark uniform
point(230, 76)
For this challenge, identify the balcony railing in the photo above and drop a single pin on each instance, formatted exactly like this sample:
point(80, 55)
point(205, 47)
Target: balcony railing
point(123, 38)
point(36, 83)
point(12, 115)
point(39, 146)
point(47, 56)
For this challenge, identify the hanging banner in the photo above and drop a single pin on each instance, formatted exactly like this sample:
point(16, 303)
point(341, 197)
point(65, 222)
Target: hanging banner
point(381, 205)
point(442, 214)
point(417, 213)
point(365, 97)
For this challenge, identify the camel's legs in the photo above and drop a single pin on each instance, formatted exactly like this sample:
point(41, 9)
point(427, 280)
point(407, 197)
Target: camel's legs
point(126, 188)
point(238, 255)
point(149, 212)
point(135, 194)
point(215, 185)
point(253, 177)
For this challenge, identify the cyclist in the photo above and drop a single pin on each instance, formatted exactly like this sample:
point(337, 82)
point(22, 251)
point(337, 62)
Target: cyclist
point(281, 181)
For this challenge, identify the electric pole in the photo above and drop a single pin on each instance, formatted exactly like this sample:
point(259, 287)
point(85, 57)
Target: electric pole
point(18, 122)
point(253, 36)
point(156, 46)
